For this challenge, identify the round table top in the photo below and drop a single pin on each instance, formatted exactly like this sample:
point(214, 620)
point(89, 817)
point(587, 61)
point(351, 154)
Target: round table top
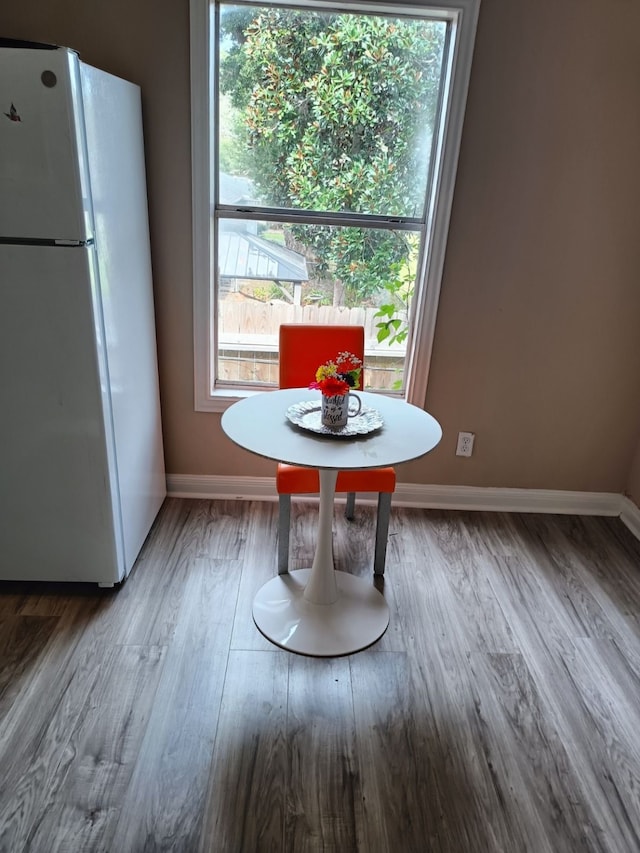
point(259, 424)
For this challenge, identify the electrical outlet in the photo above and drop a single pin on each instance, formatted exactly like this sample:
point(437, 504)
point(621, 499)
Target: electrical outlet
point(465, 444)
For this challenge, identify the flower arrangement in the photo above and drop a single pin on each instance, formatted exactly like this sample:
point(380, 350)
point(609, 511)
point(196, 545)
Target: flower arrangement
point(336, 378)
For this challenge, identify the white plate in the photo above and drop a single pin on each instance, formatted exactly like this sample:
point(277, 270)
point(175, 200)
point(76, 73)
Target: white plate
point(309, 416)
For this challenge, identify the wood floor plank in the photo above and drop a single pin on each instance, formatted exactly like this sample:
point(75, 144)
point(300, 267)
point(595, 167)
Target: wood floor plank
point(611, 569)
point(158, 576)
point(393, 639)
point(575, 724)
point(53, 599)
point(165, 800)
point(52, 669)
point(259, 566)
point(223, 528)
point(389, 728)
point(546, 643)
point(102, 752)
point(494, 806)
point(78, 783)
point(246, 802)
point(162, 573)
point(34, 744)
point(22, 641)
point(354, 540)
point(425, 784)
point(491, 533)
point(303, 534)
point(609, 691)
point(446, 545)
point(513, 707)
point(322, 806)
point(533, 605)
point(573, 585)
point(14, 595)
point(403, 527)
point(611, 529)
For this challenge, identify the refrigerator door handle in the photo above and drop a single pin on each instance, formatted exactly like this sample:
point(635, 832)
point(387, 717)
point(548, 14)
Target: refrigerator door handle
point(73, 242)
point(35, 241)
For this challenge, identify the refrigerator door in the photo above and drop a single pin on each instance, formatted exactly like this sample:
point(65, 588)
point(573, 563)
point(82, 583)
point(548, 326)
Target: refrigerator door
point(59, 507)
point(44, 187)
point(115, 148)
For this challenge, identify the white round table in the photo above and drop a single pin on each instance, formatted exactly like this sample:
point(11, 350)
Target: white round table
point(319, 611)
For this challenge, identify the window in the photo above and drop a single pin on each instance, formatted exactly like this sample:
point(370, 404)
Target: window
point(324, 148)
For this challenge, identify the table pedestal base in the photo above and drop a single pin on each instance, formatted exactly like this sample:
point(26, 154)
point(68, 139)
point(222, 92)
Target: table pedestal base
point(358, 618)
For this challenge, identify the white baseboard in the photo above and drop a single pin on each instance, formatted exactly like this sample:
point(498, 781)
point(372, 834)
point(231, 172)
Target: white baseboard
point(212, 487)
point(426, 497)
point(630, 515)
point(507, 500)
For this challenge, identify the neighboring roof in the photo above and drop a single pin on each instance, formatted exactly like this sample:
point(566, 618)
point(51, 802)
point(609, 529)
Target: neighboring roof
point(241, 253)
point(235, 189)
point(244, 255)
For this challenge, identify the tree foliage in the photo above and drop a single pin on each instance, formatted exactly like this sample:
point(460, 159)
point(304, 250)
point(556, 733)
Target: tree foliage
point(337, 115)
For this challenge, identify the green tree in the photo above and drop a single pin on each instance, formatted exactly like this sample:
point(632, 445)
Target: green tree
point(338, 113)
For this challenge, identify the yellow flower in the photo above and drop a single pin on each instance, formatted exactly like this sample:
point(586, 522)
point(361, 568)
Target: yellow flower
point(325, 371)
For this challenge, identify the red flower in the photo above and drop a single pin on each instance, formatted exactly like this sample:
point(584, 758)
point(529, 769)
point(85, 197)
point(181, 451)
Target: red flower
point(331, 387)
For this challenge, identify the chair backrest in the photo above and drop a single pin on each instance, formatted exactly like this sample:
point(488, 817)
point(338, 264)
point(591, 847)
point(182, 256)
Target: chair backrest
point(304, 347)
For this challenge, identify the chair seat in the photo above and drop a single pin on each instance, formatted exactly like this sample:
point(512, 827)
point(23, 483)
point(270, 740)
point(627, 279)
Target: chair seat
point(294, 480)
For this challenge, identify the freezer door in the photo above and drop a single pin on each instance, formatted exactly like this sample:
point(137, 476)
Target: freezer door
point(44, 186)
point(59, 506)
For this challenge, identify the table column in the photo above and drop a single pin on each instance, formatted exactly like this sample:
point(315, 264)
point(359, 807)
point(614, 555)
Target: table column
point(318, 611)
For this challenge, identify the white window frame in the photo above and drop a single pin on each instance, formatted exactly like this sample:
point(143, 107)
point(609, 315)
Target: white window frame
point(463, 15)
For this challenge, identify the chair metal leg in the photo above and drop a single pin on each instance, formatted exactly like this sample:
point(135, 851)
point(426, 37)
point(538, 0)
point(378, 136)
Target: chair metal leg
point(284, 526)
point(382, 532)
point(350, 509)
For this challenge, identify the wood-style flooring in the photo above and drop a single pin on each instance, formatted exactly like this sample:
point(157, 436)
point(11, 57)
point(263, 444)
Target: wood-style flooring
point(499, 712)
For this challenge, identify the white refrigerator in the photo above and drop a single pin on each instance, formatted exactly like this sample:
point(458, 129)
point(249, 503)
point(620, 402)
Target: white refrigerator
point(81, 458)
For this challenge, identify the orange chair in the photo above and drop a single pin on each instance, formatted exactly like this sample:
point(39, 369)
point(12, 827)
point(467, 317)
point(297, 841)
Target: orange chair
point(302, 349)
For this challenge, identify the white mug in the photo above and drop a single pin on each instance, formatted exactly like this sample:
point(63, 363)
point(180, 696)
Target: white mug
point(336, 410)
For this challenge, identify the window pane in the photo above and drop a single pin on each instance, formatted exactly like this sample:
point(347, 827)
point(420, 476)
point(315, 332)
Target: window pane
point(273, 273)
point(327, 112)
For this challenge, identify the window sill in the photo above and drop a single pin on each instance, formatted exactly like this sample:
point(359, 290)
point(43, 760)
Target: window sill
point(221, 399)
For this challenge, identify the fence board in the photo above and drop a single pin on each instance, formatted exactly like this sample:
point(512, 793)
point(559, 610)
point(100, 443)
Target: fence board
point(249, 325)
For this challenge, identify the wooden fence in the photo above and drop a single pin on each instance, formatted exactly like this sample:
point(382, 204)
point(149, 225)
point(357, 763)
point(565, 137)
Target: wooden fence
point(248, 339)
point(247, 324)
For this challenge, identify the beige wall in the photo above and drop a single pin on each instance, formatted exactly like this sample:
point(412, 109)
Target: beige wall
point(536, 343)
